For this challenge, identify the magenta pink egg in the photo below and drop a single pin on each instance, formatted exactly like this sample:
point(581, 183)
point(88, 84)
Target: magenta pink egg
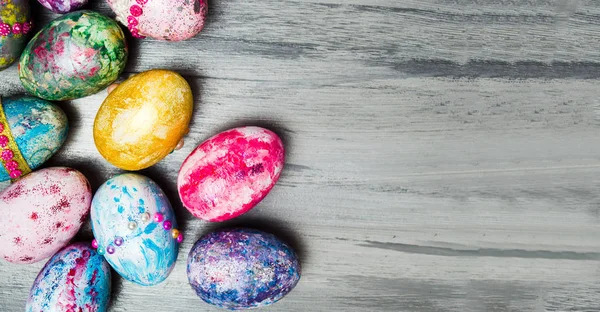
point(41, 213)
point(230, 173)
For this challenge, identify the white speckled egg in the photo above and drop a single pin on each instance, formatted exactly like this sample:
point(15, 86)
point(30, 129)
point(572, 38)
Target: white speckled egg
point(135, 228)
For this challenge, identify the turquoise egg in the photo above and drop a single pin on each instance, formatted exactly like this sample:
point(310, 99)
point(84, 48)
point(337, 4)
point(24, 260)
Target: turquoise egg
point(38, 127)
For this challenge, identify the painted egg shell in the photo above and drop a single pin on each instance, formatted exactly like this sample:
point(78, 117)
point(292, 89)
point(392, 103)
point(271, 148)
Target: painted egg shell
point(242, 268)
point(75, 279)
point(62, 6)
point(230, 173)
point(38, 127)
point(15, 26)
point(75, 55)
point(143, 119)
point(135, 228)
point(172, 20)
point(42, 212)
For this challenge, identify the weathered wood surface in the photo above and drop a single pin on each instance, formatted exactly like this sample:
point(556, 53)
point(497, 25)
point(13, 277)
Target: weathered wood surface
point(442, 155)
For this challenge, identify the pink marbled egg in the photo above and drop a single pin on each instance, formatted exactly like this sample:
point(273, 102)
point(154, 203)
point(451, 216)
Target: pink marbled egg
point(230, 173)
point(41, 213)
point(171, 20)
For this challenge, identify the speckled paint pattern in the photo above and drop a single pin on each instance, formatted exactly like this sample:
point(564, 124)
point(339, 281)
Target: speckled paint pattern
point(75, 55)
point(230, 173)
point(62, 6)
point(172, 20)
point(42, 212)
point(12, 41)
point(242, 268)
point(75, 279)
point(143, 119)
point(39, 128)
point(123, 214)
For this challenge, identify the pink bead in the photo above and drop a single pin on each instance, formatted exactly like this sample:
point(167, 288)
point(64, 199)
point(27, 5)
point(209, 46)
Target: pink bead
point(94, 243)
point(7, 154)
point(180, 238)
point(27, 27)
point(15, 174)
point(131, 21)
point(158, 217)
point(3, 140)
point(1, 127)
point(4, 29)
point(167, 225)
point(11, 165)
point(136, 10)
point(142, 2)
point(110, 249)
point(17, 28)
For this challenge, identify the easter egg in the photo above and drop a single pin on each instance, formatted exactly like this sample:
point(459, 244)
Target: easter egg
point(42, 212)
point(242, 268)
point(230, 173)
point(172, 20)
point(143, 119)
point(75, 55)
point(62, 6)
point(75, 279)
point(31, 131)
point(135, 228)
point(15, 26)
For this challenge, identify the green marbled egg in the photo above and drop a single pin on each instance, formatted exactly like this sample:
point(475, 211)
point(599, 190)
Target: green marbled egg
point(75, 55)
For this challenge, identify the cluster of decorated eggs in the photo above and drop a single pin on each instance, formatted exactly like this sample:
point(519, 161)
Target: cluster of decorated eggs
point(139, 123)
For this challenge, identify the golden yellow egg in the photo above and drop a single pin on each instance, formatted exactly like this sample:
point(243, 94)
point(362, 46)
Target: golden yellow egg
point(143, 119)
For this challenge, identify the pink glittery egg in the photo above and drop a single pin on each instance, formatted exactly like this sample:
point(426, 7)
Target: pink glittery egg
point(170, 20)
point(41, 213)
point(230, 173)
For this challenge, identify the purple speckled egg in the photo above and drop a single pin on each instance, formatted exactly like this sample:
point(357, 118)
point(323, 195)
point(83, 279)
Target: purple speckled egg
point(63, 6)
point(170, 20)
point(242, 268)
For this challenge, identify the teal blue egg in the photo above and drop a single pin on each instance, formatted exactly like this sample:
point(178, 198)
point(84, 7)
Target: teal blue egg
point(39, 129)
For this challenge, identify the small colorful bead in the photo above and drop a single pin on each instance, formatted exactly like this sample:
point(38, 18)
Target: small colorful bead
point(167, 225)
point(158, 217)
point(4, 29)
point(136, 10)
point(175, 233)
point(3, 140)
point(17, 28)
point(132, 21)
point(145, 217)
point(1, 127)
point(132, 225)
point(110, 249)
point(15, 174)
point(100, 250)
point(11, 165)
point(142, 2)
point(180, 238)
point(27, 27)
point(118, 241)
point(7, 154)
point(95, 244)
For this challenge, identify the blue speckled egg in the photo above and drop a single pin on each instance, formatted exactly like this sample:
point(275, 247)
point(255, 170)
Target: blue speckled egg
point(135, 228)
point(241, 268)
point(75, 279)
point(38, 127)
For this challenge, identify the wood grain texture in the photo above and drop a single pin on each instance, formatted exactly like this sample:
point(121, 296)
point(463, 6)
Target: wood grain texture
point(442, 155)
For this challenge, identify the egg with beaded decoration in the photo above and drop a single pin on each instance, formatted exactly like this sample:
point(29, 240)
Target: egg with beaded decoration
point(42, 212)
point(76, 278)
point(143, 119)
point(170, 20)
point(31, 131)
point(15, 28)
point(62, 6)
point(135, 228)
point(242, 268)
point(230, 173)
point(73, 56)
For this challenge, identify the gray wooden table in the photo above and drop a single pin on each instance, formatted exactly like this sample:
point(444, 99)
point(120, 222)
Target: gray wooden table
point(442, 155)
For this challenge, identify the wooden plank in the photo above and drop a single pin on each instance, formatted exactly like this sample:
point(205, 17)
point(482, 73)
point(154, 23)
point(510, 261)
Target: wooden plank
point(441, 155)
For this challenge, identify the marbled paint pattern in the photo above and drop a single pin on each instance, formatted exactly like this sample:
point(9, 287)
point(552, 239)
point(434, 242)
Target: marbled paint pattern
point(172, 20)
point(11, 12)
point(148, 252)
point(42, 212)
point(62, 6)
point(39, 128)
point(242, 268)
point(75, 279)
point(75, 55)
point(230, 173)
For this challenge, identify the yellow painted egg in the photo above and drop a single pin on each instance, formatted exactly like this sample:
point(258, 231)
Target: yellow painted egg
point(143, 119)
